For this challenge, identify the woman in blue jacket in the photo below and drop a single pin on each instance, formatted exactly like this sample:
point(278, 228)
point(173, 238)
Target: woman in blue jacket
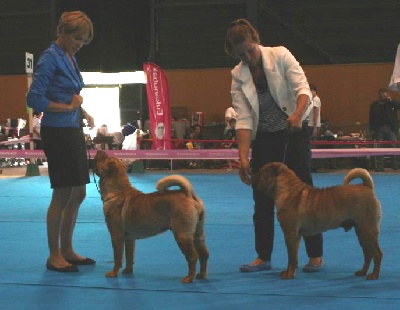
point(55, 89)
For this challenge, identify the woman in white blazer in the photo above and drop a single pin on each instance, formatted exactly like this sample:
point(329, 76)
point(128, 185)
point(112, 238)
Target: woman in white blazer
point(271, 97)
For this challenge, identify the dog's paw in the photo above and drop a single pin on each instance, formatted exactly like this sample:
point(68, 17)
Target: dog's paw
point(285, 275)
point(112, 274)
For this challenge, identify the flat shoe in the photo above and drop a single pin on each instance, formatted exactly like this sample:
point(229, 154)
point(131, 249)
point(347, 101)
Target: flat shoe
point(71, 268)
point(255, 268)
point(313, 268)
point(86, 261)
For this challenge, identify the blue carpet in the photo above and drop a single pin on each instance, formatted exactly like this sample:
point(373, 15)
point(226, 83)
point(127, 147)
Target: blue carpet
point(159, 265)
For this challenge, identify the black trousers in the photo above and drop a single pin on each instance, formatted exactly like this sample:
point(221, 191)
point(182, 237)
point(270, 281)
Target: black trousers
point(270, 147)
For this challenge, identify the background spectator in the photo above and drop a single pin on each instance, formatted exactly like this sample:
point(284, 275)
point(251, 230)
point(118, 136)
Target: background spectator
point(229, 114)
point(383, 124)
point(314, 122)
point(230, 134)
point(37, 139)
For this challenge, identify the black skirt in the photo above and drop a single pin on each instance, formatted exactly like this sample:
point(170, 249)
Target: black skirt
point(66, 155)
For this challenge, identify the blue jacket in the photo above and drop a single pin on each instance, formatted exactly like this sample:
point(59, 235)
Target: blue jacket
point(55, 79)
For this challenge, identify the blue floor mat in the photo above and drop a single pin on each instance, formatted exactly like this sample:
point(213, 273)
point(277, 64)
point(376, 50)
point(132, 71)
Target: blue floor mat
point(159, 264)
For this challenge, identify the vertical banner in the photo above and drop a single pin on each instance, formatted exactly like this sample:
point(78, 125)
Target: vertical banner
point(29, 73)
point(159, 107)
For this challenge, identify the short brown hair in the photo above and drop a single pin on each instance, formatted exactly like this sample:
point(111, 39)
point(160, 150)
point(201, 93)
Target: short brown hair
point(239, 31)
point(71, 22)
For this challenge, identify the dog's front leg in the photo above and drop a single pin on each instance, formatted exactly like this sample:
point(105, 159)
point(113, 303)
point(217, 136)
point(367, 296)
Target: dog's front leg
point(117, 240)
point(292, 240)
point(129, 254)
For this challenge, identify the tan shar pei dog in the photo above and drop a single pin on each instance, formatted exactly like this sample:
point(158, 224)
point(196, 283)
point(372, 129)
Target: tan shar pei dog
point(304, 210)
point(131, 214)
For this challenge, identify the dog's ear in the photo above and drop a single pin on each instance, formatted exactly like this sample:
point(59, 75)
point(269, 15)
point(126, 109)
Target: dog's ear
point(100, 155)
point(271, 169)
point(105, 167)
point(99, 167)
point(276, 167)
point(282, 169)
point(109, 167)
point(98, 161)
point(265, 178)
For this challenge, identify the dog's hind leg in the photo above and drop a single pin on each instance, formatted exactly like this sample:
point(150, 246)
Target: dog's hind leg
point(361, 235)
point(201, 248)
point(129, 254)
point(377, 257)
point(368, 238)
point(186, 244)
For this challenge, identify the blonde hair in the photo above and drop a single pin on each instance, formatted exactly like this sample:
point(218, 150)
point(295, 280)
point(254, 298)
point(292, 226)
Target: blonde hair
point(72, 22)
point(239, 31)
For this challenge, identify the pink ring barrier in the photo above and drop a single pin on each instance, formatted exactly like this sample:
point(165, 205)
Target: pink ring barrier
point(313, 142)
point(206, 154)
point(360, 150)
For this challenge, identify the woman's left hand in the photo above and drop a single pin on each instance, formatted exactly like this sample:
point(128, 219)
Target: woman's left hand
point(90, 121)
point(294, 122)
point(245, 171)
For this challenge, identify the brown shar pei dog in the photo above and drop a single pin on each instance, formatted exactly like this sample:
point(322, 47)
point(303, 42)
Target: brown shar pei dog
point(303, 210)
point(131, 214)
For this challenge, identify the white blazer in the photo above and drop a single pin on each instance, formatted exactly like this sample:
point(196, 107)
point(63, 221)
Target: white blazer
point(286, 81)
point(396, 72)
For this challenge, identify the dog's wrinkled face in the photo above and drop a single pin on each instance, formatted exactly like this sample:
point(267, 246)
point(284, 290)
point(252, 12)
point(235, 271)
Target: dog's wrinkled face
point(265, 178)
point(105, 165)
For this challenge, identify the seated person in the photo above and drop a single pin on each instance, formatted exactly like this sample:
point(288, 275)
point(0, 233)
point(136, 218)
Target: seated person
point(230, 134)
point(103, 140)
point(130, 133)
point(193, 137)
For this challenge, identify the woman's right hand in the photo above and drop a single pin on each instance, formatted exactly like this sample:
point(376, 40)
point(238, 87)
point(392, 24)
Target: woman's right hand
point(76, 102)
point(245, 172)
point(58, 107)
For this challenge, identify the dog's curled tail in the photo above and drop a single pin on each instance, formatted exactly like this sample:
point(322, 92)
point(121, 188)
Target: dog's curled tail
point(177, 180)
point(359, 173)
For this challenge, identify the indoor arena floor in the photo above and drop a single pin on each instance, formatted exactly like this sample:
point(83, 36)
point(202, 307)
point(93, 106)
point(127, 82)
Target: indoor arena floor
point(159, 265)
